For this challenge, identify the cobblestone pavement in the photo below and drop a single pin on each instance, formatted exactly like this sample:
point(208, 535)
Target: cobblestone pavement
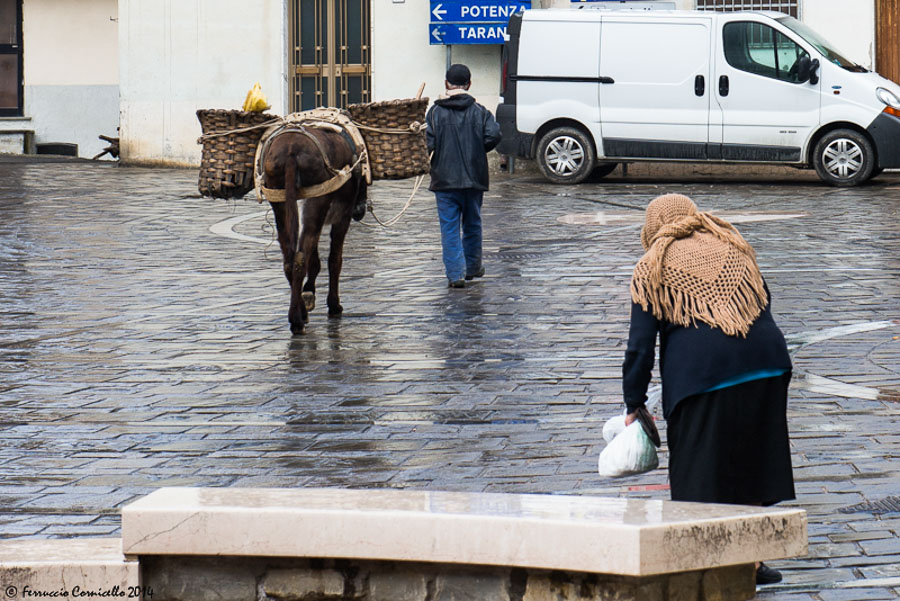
point(144, 343)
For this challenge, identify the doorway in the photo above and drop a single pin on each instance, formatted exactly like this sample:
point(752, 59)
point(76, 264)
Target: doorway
point(330, 53)
point(10, 58)
point(887, 39)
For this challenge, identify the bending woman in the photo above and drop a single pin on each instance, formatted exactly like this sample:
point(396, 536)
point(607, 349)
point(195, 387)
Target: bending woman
point(724, 364)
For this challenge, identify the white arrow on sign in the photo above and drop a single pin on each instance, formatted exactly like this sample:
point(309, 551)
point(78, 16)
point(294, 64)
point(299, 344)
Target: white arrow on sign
point(436, 34)
point(438, 13)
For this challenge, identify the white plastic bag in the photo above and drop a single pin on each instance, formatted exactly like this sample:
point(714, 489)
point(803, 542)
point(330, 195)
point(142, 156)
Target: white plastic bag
point(629, 453)
point(613, 426)
point(616, 424)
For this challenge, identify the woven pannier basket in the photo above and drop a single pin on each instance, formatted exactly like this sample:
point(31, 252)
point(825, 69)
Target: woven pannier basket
point(401, 153)
point(226, 165)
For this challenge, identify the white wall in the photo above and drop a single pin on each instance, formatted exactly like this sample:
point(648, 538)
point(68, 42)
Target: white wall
point(177, 56)
point(70, 68)
point(402, 58)
point(851, 31)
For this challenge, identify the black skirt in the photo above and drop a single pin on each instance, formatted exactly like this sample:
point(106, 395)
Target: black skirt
point(731, 445)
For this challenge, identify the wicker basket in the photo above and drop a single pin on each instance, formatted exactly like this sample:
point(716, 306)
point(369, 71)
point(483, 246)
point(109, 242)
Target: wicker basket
point(401, 153)
point(226, 166)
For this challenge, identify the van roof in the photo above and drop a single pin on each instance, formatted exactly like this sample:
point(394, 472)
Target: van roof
point(587, 13)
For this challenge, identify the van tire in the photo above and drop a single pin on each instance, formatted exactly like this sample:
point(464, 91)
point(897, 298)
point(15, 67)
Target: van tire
point(844, 158)
point(565, 155)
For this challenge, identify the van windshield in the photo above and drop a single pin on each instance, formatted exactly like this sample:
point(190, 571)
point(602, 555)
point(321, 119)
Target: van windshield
point(820, 44)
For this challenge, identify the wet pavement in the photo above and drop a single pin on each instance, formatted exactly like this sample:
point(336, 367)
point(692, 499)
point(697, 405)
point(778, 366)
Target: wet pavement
point(144, 343)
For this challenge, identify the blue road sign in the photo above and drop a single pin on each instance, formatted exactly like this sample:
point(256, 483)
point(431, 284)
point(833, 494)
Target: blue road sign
point(466, 33)
point(471, 21)
point(475, 11)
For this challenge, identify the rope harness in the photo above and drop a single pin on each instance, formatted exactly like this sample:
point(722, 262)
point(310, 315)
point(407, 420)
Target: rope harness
point(331, 119)
point(323, 118)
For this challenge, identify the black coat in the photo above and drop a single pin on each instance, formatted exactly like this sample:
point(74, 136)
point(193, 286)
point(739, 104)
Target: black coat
point(695, 359)
point(460, 132)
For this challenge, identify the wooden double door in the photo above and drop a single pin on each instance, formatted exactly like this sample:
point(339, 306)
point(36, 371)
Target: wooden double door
point(330, 61)
point(887, 39)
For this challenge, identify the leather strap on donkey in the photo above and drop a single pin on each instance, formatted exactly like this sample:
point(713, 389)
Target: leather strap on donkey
point(321, 118)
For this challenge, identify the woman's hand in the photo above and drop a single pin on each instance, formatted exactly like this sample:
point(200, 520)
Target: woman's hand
point(629, 418)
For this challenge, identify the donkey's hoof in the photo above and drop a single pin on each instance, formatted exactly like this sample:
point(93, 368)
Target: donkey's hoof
point(335, 312)
point(309, 299)
point(297, 329)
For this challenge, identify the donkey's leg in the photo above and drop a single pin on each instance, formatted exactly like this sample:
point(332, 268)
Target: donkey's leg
point(314, 266)
point(315, 213)
point(298, 313)
point(287, 223)
point(335, 263)
point(287, 237)
point(309, 242)
point(294, 265)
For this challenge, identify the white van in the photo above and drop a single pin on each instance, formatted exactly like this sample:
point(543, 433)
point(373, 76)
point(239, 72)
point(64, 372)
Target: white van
point(587, 89)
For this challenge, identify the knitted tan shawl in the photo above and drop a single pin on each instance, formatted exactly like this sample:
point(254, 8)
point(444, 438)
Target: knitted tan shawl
point(697, 267)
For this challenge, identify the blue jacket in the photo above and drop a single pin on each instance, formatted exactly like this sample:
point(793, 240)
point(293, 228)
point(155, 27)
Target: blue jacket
point(460, 132)
point(694, 359)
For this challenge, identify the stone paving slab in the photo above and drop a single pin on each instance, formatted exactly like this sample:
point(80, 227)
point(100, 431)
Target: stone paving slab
point(140, 347)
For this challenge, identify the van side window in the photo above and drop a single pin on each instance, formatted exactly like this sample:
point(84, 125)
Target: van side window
point(760, 49)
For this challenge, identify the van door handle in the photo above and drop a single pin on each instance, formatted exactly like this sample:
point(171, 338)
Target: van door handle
point(723, 85)
point(604, 79)
point(699, 85)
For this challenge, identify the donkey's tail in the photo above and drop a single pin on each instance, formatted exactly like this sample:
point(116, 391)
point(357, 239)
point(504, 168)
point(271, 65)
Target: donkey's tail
point(291, 178)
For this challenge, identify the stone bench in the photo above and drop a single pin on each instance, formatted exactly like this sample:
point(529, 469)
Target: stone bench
point(391, 545)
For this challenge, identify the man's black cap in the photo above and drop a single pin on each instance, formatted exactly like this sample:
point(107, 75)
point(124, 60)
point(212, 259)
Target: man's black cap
point(458, 75)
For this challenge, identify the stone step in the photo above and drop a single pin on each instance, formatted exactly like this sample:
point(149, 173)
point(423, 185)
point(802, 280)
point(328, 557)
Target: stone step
point(17, 141)
point(85, 568)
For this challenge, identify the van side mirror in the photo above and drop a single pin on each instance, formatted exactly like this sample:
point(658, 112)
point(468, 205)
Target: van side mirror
point(806, 70)
point(803, 69)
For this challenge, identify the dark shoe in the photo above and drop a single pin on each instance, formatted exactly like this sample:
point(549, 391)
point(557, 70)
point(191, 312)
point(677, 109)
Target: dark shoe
point(766, 575)
point(477, 274)
point(456, 284)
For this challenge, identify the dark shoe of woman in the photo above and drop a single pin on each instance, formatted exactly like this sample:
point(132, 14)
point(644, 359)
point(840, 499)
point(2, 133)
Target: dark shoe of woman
point(767, 575)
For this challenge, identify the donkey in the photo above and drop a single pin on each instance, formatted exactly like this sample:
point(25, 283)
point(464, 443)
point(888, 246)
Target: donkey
point(296, 160)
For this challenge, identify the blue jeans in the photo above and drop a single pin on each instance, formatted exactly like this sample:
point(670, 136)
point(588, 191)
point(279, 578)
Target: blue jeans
point(459, 212)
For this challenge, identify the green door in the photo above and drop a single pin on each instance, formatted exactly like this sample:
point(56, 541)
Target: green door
point(330, 53)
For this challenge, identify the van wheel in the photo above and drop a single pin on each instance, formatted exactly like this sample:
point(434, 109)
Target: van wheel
point(844, 157)
point(565, 155)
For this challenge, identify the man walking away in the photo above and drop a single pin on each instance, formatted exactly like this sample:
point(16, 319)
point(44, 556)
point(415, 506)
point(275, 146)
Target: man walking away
point(460, 133)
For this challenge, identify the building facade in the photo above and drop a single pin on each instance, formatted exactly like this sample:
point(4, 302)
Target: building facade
point(59, 74)
point(73, 69)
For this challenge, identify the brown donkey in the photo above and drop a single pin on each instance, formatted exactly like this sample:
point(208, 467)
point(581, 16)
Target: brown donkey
point(298, 159)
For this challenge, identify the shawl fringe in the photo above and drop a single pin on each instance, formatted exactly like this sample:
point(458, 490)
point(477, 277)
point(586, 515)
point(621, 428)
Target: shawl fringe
point(733, 316)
